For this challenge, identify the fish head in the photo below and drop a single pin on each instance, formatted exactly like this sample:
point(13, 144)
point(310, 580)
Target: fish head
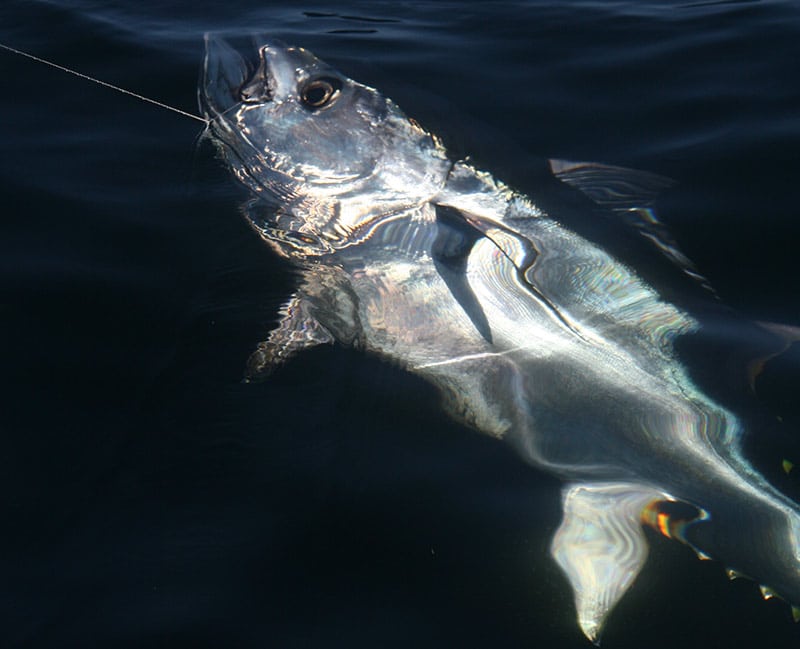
point(332, 153)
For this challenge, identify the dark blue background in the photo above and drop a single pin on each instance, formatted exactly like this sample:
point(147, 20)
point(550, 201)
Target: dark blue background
point(150, 499)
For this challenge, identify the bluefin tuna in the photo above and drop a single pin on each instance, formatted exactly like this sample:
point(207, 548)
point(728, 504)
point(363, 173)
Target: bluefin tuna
point(532, 333)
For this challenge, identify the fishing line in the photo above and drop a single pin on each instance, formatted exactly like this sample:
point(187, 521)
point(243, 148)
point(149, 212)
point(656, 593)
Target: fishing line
point(103, 83)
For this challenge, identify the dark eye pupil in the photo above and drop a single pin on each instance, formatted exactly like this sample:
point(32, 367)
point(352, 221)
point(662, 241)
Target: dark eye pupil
point(319, 93)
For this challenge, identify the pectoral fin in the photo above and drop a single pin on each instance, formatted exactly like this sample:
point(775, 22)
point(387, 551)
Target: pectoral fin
point(323, 310)
point(450, 252)
point(600, 545)
point(516, 247)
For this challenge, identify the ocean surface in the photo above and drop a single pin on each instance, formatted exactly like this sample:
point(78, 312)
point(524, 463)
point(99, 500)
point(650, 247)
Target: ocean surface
point(152, 499)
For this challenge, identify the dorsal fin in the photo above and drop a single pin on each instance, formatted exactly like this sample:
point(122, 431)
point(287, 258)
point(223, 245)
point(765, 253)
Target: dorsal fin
point(629, 193)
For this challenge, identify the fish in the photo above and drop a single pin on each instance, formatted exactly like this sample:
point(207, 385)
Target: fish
point(533, 333)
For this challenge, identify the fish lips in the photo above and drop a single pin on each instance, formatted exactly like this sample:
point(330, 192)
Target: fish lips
point(228, 78)
point(224, 71)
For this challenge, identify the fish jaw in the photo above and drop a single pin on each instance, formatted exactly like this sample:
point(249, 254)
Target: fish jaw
point(223, 74)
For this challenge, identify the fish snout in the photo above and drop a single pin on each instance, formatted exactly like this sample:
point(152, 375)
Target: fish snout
point(224, 74)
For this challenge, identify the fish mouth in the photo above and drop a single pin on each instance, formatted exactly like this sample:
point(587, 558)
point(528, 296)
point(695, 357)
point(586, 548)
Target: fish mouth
point(228, 79)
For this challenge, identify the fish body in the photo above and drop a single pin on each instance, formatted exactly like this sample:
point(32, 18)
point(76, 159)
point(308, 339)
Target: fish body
point(532, 333)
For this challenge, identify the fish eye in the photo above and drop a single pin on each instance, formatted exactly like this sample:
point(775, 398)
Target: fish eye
point(320, 92)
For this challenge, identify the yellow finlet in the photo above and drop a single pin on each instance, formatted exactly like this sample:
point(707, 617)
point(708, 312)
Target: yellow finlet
point(733, 574)
point(796, 613)
point(787, 465)
point(766, 591)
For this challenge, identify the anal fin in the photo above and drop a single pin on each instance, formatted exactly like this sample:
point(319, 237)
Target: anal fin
point(600, 545)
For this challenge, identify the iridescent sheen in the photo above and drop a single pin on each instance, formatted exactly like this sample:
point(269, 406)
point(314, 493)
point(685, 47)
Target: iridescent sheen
point(531, 332)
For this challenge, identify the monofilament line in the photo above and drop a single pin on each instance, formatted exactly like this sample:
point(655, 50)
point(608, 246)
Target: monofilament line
point(103, 83)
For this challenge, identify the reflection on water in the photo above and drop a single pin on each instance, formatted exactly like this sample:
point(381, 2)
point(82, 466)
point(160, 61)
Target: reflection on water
point(153, 498)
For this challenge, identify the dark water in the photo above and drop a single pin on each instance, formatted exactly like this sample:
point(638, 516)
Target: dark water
point(150, 499)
